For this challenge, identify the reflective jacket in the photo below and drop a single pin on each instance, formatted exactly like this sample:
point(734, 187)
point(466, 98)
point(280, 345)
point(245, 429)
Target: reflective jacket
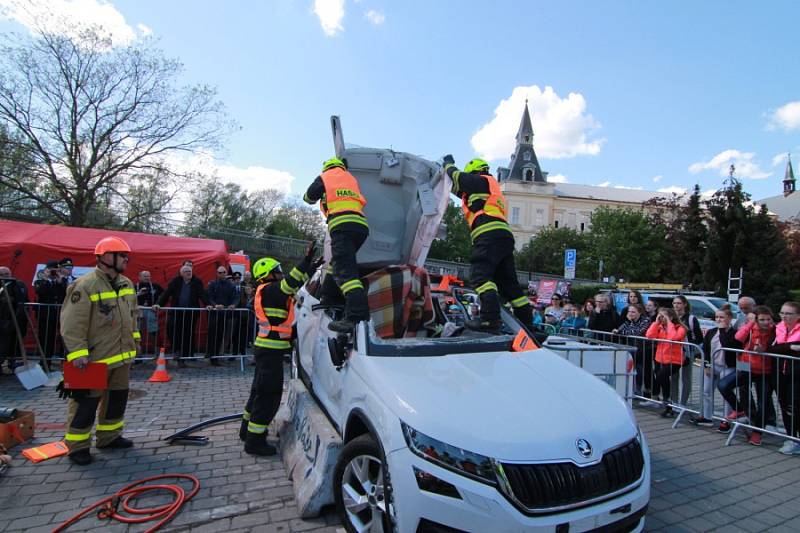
point(274, 308)
point(342, 201)
point(98, 319)
point(482, 201)
point(667, 352)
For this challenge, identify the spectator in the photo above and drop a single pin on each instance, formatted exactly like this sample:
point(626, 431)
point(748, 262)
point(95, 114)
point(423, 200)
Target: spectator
point(669, 356)
point(636, 324)
point(555, 311)
point(787, 342)
point(694, 335)
point(66, 266)
point(15, 292)
point(50, 293)
point(757, 335)
point(573, 322)
point(588, 308)
point(538, 315)
point(147, 294)
point(719, 364)
point(604, 316)
point(634, 297)
point(223, 296)
point(184, 292)
point(747, 306)
point(651, 309)
point(247, 279)
point(243, 319)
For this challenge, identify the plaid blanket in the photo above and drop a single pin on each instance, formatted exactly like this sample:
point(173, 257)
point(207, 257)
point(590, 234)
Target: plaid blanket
point(400, 303)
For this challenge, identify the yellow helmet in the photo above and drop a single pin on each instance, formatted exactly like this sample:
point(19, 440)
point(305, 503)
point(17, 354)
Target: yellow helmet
point(264, 267)
point(333, 162)
point(477, 165)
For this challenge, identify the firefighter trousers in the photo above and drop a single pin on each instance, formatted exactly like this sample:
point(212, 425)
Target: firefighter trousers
point(266, 390)
point(493, 271)
point(109, 407)
point(344, 246)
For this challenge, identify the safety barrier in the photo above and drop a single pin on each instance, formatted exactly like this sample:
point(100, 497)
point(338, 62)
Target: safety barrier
point(696, 386)
point(185, 333)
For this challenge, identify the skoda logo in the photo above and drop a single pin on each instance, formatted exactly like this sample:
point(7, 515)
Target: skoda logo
point(584, 448)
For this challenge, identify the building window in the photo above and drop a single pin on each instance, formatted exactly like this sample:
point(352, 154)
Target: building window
point(583, 226)
point(515, 215)
point(556, 224)
point(540, 217)
point(528, 174)
point(526, 156)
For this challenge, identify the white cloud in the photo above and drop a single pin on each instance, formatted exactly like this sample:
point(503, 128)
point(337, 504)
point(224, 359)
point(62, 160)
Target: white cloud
point(674, 189)
point(557, 178)
point(604, 184)
point(779, 159)
point(375, 17)
point(330, 13)
point(250, 178)
point(630, 188)
point(744, 162)
point(67, 17)
point(656, 179)
point(561, 126)
point(786, 117)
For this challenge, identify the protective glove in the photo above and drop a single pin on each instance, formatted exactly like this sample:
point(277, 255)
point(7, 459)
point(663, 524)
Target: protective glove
point(316, 264)
point(448, 160)
point(65, 393)
point(311, 249)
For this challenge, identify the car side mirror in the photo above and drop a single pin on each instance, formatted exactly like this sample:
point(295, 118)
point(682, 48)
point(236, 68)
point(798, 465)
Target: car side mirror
point(337, 346)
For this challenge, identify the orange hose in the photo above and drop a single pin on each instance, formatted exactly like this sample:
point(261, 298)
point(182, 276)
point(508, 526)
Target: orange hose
point(108, 505)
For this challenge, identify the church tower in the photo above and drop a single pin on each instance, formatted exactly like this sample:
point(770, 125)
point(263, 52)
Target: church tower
point(524, 165)
point(788, 178)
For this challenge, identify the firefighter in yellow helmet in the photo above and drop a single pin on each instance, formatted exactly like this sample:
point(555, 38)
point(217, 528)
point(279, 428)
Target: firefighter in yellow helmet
point(342, 203)
point(98, 325)
point(274, 309)
point(492, 259)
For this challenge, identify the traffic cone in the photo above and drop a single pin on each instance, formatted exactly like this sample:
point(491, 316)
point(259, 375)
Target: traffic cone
point(160, 375)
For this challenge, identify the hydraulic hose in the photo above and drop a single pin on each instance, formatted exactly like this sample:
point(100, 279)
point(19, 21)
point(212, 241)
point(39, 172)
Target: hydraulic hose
point(107, 508)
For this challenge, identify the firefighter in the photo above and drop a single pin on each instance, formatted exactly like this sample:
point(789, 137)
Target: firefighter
point(98, 325)
point(274, 308)
point(492, 258)
point(342, 203)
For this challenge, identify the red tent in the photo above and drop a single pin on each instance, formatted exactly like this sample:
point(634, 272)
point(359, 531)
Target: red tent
point(23, 246)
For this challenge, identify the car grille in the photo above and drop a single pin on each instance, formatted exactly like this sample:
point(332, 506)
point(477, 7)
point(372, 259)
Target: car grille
point(556, 486)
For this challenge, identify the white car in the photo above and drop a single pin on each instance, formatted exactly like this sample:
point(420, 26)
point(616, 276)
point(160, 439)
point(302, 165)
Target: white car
point(457, 433)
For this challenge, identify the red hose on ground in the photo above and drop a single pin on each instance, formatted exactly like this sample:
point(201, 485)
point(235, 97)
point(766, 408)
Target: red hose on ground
point(129, 492)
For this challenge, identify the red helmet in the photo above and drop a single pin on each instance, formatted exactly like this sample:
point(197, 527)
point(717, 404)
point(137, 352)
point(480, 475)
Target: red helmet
point(111, 244)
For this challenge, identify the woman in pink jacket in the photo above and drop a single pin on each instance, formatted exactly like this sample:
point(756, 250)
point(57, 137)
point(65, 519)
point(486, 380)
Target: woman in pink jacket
point(669, 356)
point(787, 342)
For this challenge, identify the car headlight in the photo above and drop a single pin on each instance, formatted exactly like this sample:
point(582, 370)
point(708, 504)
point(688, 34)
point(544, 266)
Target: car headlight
point(470, 464)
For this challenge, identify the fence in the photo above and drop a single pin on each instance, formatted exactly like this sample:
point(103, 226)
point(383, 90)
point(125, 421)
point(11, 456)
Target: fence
point(748, 395)
point(184, 333)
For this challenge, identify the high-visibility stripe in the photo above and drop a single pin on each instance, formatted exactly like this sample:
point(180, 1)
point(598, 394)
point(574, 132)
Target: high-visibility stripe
point(77, 437)
point(77, 353)
point(107, 295)
point(287, 289)
point(350, 285)
point(299, 276)
point(272, 343)
point(124, 356)
point(475, 197)
point(276, 312)
point(483, 228)
point(488, 286)
point(40, 452)
point(246, 415)
point(520, 302)
point(341, 219)
point(110, 427)
point(137, 335)
point(128, 291)
point(258, 429)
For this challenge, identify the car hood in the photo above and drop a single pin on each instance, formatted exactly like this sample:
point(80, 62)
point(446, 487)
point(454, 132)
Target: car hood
point(528, 406)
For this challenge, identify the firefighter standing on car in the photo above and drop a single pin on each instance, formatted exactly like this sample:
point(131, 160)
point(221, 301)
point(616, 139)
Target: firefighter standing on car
point(98, 325)
point(342, 203)
point(274, 308)
point(492, 259)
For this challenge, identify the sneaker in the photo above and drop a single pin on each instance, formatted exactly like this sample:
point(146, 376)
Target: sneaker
point(755, 438)
point(80, 457)
point(724, 427)
point(735, 415)
point(701, 421)
point(790, 447)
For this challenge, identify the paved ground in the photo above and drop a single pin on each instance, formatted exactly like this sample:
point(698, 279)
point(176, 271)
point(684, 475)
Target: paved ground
point(698, 484)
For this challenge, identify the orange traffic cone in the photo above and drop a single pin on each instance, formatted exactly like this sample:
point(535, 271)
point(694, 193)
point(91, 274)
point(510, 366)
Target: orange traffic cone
point(160, 375)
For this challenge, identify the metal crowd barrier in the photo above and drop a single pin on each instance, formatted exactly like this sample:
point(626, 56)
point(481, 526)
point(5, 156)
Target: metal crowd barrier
point(186, 334)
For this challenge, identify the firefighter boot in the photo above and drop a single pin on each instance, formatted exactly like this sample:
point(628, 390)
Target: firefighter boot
point(119, 442)
point(81, 457)
point(243, 430)
point(488, 326)
point(256, 444)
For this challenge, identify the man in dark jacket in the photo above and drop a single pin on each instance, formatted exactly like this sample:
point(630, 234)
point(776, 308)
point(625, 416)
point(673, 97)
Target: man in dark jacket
point(50, 293)
point(13, 297)
point(222, 295)
point(604, 317)
point(184, 292)
point(147, 294)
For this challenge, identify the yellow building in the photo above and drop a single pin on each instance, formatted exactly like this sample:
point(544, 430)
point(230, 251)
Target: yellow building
point(534, 203)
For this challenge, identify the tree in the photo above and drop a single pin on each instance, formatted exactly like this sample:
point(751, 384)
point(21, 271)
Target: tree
point(545, 252)
point(630, 245)
point(729, 240)
point(768, 275)
point(457, 245)
point(298, 221)
point(93, 116)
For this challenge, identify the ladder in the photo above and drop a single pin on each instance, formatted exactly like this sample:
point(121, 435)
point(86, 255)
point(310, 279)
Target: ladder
point(735, 285)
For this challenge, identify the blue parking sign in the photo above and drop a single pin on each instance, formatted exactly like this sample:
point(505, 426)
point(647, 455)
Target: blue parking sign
point(569, 258)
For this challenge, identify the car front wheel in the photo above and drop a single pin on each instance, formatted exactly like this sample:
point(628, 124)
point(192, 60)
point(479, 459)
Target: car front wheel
point(360, 487)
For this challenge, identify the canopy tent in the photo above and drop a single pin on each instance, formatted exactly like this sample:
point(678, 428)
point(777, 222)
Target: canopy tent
point(24, 247)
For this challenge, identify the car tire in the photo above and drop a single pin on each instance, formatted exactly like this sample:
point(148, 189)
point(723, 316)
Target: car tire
point(361, 489)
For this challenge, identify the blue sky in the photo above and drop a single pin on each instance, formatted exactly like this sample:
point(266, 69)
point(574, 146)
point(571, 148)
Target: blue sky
point(634, 94)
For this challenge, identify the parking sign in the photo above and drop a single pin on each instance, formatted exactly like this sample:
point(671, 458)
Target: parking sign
point(570, 259)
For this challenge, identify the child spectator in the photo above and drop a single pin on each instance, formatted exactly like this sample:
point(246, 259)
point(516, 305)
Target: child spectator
point(573, 322)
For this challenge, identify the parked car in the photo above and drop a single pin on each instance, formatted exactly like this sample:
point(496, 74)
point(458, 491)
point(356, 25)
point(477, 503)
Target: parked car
point(703, 305)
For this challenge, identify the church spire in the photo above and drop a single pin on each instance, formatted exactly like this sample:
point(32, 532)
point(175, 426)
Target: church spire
point(788, 177)
point(525, 133)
